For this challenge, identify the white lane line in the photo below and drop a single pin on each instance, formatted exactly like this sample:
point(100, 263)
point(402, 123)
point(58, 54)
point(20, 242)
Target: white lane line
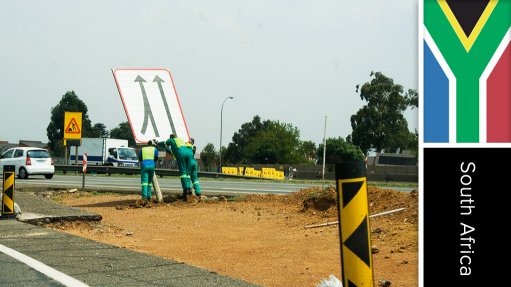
point(41, 267)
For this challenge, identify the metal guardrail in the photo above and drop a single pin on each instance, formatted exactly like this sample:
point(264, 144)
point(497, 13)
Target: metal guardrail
point(136, 170)
point(161, 172)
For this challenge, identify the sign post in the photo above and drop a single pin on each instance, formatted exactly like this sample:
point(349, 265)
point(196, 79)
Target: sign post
point(157, 190)
point(84, 169)
point(66, 162)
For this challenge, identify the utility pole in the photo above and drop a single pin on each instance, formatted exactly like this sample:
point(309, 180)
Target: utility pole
point(221, 124)
point(324, 149)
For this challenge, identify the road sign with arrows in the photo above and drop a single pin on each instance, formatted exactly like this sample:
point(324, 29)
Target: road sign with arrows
point(151, 103)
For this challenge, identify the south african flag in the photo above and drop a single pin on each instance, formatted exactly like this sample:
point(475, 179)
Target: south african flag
point(466, 71)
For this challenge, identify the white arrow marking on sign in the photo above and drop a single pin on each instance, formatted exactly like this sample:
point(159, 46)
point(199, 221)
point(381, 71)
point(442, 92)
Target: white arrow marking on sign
point(147, 108)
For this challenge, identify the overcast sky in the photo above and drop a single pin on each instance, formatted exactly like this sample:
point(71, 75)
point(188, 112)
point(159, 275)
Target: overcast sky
point(295, 61)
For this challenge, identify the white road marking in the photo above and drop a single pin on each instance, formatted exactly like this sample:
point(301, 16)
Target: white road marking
point(43, 268)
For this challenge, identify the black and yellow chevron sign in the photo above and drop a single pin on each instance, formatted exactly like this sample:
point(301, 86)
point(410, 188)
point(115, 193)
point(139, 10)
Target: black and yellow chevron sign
point(8, 191)
point(356, 258)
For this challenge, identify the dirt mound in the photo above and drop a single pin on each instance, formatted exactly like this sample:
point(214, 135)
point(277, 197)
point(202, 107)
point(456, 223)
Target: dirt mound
point(314, 200)
point(381, 200)
point(324, 201)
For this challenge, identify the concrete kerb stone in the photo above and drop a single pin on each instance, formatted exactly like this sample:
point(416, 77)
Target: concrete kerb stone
point(39, 210)
point(39, 219)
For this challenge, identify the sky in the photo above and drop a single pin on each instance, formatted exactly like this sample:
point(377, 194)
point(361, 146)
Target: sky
point(292, 61)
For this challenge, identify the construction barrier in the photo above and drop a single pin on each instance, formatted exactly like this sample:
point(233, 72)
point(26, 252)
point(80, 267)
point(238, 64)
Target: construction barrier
point(230, 170)
point(267, 172)
point(279, 175)
point(249, 171)
point(270, 173)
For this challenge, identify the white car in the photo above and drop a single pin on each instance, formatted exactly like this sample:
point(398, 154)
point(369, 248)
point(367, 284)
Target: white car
point(28, 161)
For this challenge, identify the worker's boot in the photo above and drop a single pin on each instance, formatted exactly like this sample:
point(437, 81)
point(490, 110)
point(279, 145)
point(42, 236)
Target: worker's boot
point(185, 193)
point(142, 202)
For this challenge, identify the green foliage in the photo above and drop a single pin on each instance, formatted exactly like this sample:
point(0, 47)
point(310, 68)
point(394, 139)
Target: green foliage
point(414, 143)
point(268, 142)
point(99, 131)
point(380, 123)
point(309, 151)
point(413, 98)
point(339, 150)
point(209, 157)
point(123, 131)
point(235, 151)
point(278, 143)
point(55, 130)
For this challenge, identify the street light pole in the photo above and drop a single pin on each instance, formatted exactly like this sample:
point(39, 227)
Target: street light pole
point(324, 150)
point(221, 124)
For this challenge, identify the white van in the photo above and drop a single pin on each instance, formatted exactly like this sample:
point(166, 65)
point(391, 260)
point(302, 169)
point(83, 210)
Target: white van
point(106, 151)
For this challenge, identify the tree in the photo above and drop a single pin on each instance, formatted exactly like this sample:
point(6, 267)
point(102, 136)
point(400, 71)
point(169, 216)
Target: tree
point(277, 143)
point(123, 131)
point(209, 157)
point(309, 151)
point(339, 150)
point(55, 130)
point(99, 131)
point(268, 142)
point(380, 123)
point(414, 144)
point(235, 150)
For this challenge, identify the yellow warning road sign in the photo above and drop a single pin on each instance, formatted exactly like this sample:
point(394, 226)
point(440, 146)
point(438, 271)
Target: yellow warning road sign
point(8, 190)
point(73, 125)
point(354, 230)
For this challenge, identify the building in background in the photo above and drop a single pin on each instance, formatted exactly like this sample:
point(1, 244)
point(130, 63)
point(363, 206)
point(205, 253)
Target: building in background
point(5, 145)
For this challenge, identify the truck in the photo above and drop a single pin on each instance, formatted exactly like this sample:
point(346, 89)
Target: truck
point(106, 151)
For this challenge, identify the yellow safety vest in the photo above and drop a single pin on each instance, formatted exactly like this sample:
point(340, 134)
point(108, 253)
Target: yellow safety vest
point(179, 142)
point(148, 153)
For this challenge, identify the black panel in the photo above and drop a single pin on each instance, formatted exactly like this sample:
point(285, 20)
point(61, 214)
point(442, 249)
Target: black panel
point(465, 189)
point(467, 12)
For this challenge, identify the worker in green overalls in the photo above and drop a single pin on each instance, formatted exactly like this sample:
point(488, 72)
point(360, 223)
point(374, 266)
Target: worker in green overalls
point(148, 156)
point(193, 169)
point(183, 155)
